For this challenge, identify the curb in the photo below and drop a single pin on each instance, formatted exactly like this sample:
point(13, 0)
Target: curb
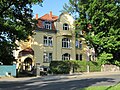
point(57, 77)
point(84, 75)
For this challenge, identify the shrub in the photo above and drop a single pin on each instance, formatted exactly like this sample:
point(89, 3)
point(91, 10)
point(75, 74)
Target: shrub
point(105, 58)
point(94, 66)
point(65, 67)
point(59, 67)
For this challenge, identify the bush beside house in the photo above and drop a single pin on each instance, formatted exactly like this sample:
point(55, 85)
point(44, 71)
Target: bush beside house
point(66, 67)
point(59, 67)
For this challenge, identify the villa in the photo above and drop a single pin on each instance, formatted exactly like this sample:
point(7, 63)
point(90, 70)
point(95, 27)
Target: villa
point(54, 39)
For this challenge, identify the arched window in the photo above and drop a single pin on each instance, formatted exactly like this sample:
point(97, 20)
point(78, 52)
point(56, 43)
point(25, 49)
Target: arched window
point(66, 43)
point(66, 56)
point(65, 26)
point(47, 25)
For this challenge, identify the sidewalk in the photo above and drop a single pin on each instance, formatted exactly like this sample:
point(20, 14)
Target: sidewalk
point(78, 75)
point(65, 76)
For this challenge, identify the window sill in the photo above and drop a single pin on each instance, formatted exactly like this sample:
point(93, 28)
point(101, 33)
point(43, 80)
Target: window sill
point(46, 62)
point(79, 48)
point(48, 46)
point(66, 48)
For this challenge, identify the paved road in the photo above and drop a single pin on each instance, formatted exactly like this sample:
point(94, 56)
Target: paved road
point(53, 83)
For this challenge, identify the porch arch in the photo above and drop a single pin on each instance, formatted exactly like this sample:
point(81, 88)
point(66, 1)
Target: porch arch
point(28, 64)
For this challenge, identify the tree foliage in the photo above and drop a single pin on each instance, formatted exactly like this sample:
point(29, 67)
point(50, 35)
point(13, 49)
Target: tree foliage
point(15, 24)
point(100, 20)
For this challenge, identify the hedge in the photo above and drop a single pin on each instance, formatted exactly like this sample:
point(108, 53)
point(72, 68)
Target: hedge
point(65, 67)
point(59, 67)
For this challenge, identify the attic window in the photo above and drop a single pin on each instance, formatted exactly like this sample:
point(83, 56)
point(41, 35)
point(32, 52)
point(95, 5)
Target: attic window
point(65, 26)
point(47, 25)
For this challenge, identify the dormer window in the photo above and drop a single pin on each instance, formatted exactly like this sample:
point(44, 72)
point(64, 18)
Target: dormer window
point(65, 26)
point(47, 25)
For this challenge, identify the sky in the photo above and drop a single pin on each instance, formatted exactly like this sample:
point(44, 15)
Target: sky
point(49, 5)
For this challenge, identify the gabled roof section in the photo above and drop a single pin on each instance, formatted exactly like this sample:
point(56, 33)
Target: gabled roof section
point(63, 14)
point(49, 17)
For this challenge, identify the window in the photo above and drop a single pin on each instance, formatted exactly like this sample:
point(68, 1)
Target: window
point(47, 25)
point(66, 43)
point(45, 41)
point(66, 56)
point(65, 26)
point(78, 56)
point(79, 44)
point(47, 57)
point(48, 41)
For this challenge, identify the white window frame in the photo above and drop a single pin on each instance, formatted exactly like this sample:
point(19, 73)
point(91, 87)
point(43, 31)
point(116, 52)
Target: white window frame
point(48, 41)
point(47, 25)
point(47, 57)
point(66, 56)
point(65, 26)
point(78, 44)
point(66, 43)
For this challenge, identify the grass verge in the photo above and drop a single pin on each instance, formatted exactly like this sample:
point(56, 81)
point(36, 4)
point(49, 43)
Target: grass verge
point(114, 87)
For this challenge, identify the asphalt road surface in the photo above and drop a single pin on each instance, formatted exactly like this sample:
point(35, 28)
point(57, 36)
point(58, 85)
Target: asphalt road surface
point(39, 83)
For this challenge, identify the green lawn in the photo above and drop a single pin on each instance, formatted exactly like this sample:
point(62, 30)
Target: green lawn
point(114, 87)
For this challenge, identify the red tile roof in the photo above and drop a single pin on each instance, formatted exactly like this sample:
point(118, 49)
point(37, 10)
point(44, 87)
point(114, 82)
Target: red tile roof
point(26, 51)
point(40, 24)
point(49, 17)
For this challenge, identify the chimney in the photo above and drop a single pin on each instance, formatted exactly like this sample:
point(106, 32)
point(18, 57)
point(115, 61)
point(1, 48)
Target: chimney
point(51, 14)
point(36, 16)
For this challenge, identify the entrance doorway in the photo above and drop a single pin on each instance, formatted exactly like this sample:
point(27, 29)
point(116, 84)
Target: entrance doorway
point(28, 64)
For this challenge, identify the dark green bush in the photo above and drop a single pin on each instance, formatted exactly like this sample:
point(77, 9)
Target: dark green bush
point(59, 67)
point(65, 67)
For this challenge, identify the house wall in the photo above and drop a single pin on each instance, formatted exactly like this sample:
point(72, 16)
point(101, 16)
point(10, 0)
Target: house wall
point(65, 18)
point(37, 41)
point(39, 47)
point(57, 49)
point(83, 50)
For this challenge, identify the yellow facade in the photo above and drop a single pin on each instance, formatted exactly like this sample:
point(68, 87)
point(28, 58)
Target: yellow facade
point(57, 50)
point(51, 45)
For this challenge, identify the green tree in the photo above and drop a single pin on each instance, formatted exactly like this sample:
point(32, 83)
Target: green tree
point(100, 21)
point(15, 24)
